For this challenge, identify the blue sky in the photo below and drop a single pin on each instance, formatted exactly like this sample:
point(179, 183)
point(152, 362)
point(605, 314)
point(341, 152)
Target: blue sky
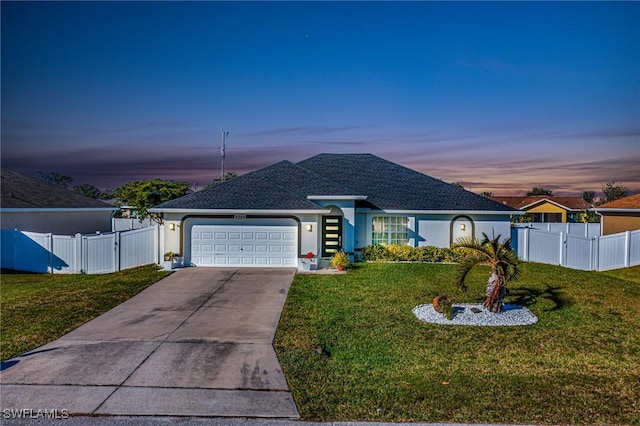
point(499, 96)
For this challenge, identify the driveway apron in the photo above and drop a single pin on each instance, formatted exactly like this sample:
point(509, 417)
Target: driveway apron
point(197, 343)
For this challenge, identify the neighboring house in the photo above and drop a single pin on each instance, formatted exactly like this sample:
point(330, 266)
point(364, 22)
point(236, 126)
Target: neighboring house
point(31, 204)
point(543, 208)
point(620, 215)
point(327, 203)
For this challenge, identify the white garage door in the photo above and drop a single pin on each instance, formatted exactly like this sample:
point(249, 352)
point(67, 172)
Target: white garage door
point(244, 245)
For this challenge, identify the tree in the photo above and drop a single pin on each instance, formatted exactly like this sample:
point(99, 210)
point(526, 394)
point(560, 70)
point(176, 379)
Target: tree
point(144, 194)
point(613, 192)
point(499, 256)
point(589, 196)
point(55, 178)
point(227, 176)
point(488, 194)
point(88, 190)
point(540, 191)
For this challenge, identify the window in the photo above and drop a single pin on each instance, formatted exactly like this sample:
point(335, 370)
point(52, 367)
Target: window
point(390, 230)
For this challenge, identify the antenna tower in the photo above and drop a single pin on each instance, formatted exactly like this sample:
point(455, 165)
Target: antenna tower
point(222, 152)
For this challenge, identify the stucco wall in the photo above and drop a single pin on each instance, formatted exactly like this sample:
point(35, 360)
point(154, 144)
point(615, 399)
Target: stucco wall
point(436, 230)
point(60, 223)
point(612, 223)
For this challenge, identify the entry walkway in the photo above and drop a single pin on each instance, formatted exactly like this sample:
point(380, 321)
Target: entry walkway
point(197, 343)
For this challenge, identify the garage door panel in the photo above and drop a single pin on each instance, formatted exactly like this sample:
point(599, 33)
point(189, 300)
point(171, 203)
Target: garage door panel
point(244, 245)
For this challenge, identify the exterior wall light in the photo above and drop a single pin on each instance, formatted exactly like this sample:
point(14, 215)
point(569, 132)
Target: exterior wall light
point(172, 226)
point(309, 227)
point(462, 227)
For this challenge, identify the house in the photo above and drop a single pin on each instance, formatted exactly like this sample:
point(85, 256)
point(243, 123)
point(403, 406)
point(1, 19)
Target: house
point(543, 208)
point(324, 204)
point(620, 215)
point(31, 204)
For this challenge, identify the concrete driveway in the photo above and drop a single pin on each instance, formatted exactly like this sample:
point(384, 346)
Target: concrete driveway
point(197, 343)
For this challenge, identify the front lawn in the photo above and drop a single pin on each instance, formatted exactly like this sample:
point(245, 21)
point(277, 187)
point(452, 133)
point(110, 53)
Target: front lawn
point(39, 308)
point(352, 349)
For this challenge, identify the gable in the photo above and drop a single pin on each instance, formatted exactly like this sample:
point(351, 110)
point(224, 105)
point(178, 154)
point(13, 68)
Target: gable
point(534, 201)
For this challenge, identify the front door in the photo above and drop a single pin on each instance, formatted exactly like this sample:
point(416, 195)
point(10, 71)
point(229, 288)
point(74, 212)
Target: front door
point(331, 235)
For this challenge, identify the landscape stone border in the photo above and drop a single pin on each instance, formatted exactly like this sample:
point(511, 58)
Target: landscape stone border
point(513, 315)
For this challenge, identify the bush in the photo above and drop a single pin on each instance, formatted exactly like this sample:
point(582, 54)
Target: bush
point(375, 252)
point(398, 253)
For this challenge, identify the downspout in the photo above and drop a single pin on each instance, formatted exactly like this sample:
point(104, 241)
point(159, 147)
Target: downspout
point(601, 222)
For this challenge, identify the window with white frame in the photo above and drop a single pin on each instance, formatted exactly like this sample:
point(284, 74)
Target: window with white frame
point(389, 230)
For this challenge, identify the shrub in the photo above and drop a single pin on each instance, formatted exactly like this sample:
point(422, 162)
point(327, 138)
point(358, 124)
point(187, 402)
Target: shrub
point(398, 253)
point(340, 260)
point(375, 252)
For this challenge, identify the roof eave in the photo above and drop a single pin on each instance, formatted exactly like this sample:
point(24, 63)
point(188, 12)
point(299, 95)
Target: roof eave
point(239, 211)
point(627, 210)
point(467, 212)
point(337, 197)
point(56, 209)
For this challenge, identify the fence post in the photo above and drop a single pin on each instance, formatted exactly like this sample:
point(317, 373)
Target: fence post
point(525, 244)
point(627, 248)
point(562, 249)
point(14, 258)
point(49, 240)
point(85, 256)
point(596, 252)
point(77, 253)
point(116, 249)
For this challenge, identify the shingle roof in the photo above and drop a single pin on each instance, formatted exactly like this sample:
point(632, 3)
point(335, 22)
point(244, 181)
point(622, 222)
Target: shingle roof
point(390, 186)
point(22, 191)
point(631, 202)
point(286, 186)
point(521, 202)
point(258, 190)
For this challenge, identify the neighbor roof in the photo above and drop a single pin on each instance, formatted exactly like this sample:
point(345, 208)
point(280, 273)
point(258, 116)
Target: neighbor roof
point(631, 202)
point(20, 191)
point(288, 186)
point(522, 203)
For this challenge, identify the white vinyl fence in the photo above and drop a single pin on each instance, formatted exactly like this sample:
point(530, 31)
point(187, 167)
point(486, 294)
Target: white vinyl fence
point(597, 253)
point(122, 224)
point(90, 254)
point(575, 229)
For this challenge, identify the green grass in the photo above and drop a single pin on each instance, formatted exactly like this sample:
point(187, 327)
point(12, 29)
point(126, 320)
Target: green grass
point(629, 274)
point(39, 308)
point(580, 364)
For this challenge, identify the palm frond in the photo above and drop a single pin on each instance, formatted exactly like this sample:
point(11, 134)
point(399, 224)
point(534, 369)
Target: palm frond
point(464, 267)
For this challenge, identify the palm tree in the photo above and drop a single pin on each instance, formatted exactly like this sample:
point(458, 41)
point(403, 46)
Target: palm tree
point(499, 256)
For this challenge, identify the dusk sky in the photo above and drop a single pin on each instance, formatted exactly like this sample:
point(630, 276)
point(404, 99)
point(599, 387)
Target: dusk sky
point(498, 96)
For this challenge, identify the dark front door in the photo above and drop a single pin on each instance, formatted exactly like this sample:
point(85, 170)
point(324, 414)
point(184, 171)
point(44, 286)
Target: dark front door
point(331, 235)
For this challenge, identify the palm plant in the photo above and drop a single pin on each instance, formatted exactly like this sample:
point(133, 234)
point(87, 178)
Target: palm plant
point(499, 256)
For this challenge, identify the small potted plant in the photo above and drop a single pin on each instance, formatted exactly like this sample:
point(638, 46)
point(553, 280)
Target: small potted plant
point(340, 261)
point(168, 260)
